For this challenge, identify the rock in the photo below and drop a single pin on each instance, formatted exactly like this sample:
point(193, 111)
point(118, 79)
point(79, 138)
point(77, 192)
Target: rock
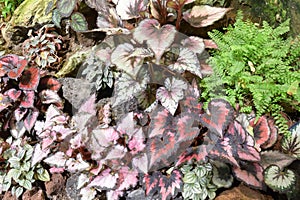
point(55, 186)
point(9, 196)
point(34, 194)
point(73, 62)
point(242, 192)
point(31, 14)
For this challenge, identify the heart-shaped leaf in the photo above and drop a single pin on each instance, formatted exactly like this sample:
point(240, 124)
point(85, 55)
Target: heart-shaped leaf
point(275, 157)
point(131, 9)
point(78, 22)
point(250, 173)
point(122, 57)
point(291, 143)
point(201, 16)
point(280, 180)
point(218, 117)
point(65, 7)
point(157, 38)
point(30, 79)
point(261, 130)
point(31, 118)
point(194, 44)
point(170, 95)
point(187, 61)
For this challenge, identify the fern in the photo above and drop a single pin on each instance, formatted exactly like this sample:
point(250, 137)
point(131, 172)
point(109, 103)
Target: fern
point(256, 67)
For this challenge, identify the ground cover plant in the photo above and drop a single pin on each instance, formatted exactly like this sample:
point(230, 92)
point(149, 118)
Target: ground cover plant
point(145, 116)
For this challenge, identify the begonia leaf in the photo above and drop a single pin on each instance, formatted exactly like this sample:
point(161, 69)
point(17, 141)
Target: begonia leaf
point(171, 93)
point(218, 116)
point(105, 180)
point(157, 38)
point(131, 9)
point(250, 173)
point(30, 79)
point(187, 61)
point(126, 86)
point(204, 15)
point(280, 180)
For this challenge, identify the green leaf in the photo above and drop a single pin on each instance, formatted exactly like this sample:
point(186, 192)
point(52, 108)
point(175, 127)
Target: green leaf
point(78, 22)
point(197, 189)
point(56, 18)
point(29, 175)
point(14, 173)
point(14, 162)
point(65, 7)
point(44, 176)
point(279, 180)
point(190, 177)
point(25, 166)
point(26, 184)
point(17, 191)
point(200, 171)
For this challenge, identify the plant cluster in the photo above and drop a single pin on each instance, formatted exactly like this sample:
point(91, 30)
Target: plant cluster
point(25, 93)
point(20, 168)
point(257, 69)
point(42, 49)
point(9, 6)
point(151, 138)
point(110, 17)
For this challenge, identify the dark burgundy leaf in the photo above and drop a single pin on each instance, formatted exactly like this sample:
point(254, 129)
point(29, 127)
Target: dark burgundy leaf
point(30, 79)
point(224, 149)
point(13, 94)
point(242, 142)
point(31, 118)
point(250, 173)
point(169, 185)
point(198, 153)
point(273, 135)
point(166, 186)
point(161, 120)
point(261, 130)
point(160, 150)
point(49, 83)
point(152, 183)
point(28, 99)
point(219, 115)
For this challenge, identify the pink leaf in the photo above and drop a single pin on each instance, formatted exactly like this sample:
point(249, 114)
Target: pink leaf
point(28, 99)
point(130, 9)
point(127, 178)
point(50, 97)
point(13, 94)
point(157, 38)
point(38, 154)
point(58, 159)
point(141, 163)
point(201, 16)
point(194, 44)
point(31, 118)
point(104, 181)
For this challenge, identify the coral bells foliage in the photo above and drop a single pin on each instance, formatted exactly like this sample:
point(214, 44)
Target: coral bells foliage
point(22, 96)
